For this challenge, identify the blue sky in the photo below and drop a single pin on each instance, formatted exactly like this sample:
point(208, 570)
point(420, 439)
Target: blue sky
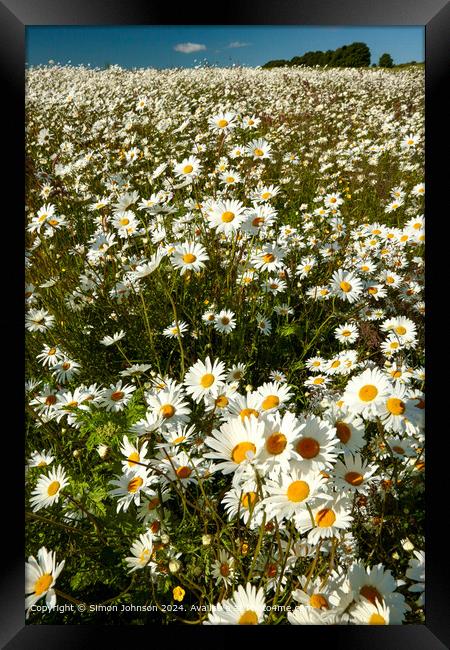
point(186, 46)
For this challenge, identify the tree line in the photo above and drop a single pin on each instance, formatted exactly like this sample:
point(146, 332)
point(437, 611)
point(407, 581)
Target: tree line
point(356, 55)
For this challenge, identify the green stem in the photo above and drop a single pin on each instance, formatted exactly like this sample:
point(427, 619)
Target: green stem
point(313, 566)
point(262, 530)
point(180, 344)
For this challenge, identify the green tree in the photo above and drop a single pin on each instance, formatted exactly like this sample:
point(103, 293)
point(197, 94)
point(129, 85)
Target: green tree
point(276, 63)
point(357, 55)
point(385, 61)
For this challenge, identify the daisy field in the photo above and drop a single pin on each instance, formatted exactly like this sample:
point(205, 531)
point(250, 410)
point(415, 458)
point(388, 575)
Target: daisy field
point(225, 345)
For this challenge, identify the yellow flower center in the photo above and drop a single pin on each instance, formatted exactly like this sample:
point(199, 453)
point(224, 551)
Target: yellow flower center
point(224, 569)
point(135, 484)
point(372, 594)
point(389, 279)
point(178, 440)
point(270, 402)
point(167, 411)
point(241, 450)
point(222, 124)
point(345, 286)
point(308, 447)
point(368, 393)
point(395, 406)
point(53, 222)
point(318, 380)
point(266, 195)
point(207, 380)
point(53, 488)
point(276, 443)
point(230, 179)
point(258, 152)
point(297, 491)
point(132, 458)
point(144, 555)
point(184, 472)
point(124, 221)
point(318, 601)
point(398, 450)
point(246, 413)
point(268, 258)
point(42, 584)
point(400, 330)
point(336, 364)
point(354, 478)
point(187, 169)
point(343, 432)
point(248, 618)
point(222, 401)
point(248, 499)
point(227, 217)
point(325, 518)
point(346, 333)
point(396, 374)
point(377, 619)
point(372, 290)
point(188, 258)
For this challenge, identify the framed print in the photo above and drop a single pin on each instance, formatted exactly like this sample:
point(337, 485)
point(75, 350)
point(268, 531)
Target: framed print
point(224, 239)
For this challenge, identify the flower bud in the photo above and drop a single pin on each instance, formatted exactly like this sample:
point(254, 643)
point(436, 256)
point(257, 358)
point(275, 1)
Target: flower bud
point(174, 566)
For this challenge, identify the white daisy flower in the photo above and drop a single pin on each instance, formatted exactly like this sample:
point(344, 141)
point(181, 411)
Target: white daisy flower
point(129, 487)
point(48, 488)
point(40, 578)
point(354, 474)
point(365, 394)
point(189, 257)
point(116, 397)
point(204, 378)
point(236, 443)
point(142, 550)
point(246, 607)
point(330, 519)
point(346, 285)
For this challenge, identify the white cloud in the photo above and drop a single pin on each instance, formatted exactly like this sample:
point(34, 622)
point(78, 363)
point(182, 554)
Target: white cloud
point(238, 44)
point(187, 48)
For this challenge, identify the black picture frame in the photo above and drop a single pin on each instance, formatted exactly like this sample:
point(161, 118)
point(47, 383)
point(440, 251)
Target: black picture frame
point(15, 16)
